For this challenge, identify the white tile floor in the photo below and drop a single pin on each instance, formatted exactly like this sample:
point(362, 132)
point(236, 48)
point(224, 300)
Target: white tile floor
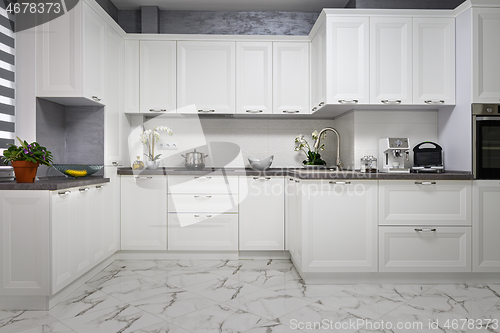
point(253, 296)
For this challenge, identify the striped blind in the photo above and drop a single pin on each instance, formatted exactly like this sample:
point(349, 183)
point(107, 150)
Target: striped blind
point(7, 77)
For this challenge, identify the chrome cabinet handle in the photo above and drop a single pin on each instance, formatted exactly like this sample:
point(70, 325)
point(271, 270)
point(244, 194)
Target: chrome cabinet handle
point(207, 177)
point(297, 181)
point(139, 177)
point(157, 110)
point(196, 216)
point(206, 111)
point(321, 103)
point(64, 193)
point(100, 187)
point(95, 98)
point(388, 101)
point(291, 111)
point(425, 229)
point(425, 183)
point(345, 101)
point(290, 179)
point(339, 183)
point(263, 178)
point(434, 102)
point(253, 111)
point(206, 196)
point(83, 189)
point(208, 216)
point(314, 109)
point(115, 163)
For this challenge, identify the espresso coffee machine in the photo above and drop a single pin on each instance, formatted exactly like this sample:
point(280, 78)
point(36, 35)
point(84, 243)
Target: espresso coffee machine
point(394, 155)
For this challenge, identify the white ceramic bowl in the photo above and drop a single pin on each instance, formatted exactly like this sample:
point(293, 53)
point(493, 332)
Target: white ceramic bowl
point(261, 165)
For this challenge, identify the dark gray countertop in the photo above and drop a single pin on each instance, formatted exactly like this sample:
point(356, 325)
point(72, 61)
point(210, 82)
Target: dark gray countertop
point(52, 183)
point(300, 173)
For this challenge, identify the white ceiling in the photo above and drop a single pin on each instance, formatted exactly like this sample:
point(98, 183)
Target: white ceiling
point(234, 5)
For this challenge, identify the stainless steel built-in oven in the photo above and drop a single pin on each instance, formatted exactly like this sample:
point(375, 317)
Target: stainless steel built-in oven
point(486, 141)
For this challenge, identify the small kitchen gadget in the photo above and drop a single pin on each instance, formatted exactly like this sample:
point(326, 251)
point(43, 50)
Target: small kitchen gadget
point(394, 155)
point(368, 164)
point(428, 157)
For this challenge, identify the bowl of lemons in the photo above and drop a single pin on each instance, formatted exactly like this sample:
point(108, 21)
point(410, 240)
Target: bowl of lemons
point(78, 170)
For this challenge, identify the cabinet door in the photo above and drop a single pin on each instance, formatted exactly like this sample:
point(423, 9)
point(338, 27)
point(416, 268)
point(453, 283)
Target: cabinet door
point(98, 223)
point(347, 63)
point(206, 77)
point(261, 220)
point(85, 212)
point(113, 112)
point(391, 60)
point(318, 69)
point(485, 226)
point(418, 249)
point(433, 61)
point(131, 76)
point(203, 232)
point(94, 59)
point(157, 76)
point(254, 77)
point(486, 67)
point(111, 210)
point(341, 226)
point(64, 232)
point(409, 202)
point(143, 213)
point(290, 78)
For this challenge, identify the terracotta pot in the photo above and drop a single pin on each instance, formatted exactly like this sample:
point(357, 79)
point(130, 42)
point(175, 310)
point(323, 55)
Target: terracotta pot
point(25, 171)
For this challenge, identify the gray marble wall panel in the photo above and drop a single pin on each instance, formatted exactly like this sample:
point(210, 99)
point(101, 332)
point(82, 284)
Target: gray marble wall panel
point(110, 8)
point(130, 21)
point(236, 23)
point(150, 19)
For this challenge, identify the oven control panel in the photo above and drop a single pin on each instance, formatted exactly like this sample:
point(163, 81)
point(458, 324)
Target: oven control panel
point(485, 109)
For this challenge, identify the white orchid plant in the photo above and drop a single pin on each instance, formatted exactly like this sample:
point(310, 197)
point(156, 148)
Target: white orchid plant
point(150, 136)
point(313, 156)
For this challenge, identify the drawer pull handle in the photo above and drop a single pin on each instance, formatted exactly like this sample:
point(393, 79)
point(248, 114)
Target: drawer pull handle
point(95, 98)
point(208, 216)
point(64, 193)
point(291, 111)
point(206, 111)
point(197, 177)
point(290, 179)
point(297, 181)
point(197, 216)
point(344, 101)
point(389, 101)
point(314, 109)
point(340, 183)
point(253, 111)
point(434, 102)
point(321, 103)
point(206, 196)
point(264, 178)
point(100, 187)
point(425, 229)
point(139, 177)
point(157, 110)
point(83, 189)
point(115, 163)
point(425, 183)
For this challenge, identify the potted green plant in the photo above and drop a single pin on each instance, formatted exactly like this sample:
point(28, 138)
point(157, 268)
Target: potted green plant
point(26, 158)
point(313, 157)
point(148, 138)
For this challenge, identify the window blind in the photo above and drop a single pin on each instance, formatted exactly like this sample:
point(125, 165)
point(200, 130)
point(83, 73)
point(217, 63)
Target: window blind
point(7, 77)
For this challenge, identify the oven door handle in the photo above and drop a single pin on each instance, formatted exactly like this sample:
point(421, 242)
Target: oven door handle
point(484, 118)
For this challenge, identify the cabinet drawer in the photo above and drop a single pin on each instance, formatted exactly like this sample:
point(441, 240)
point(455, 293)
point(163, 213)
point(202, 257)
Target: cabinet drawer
point(420, 249)
point(203, 232)
point(218, 203)
point(425, 202)
point(203, 184)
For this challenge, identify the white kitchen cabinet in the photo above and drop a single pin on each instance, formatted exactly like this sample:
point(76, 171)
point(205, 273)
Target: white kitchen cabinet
point(347, 60)
point(158, 76)
point(391, 54)
point(341, 226)
point(111, 210)
point(143, 212)
point(261, 214)
point(291, 78)
point(318, 69)
point(293, 220)
point(131, 74)
point(433, 61)
point(412, 202)
point(82, 220)
point(203, 185)
point(113, 112)
point(254, 62)
point(486, 67)
point(485, 226)
point(420, 249)
point(206, 77)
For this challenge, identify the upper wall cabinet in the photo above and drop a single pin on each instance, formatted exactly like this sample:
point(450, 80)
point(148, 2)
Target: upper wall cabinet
point(391, 60)
point(157, 76)
point(318, 72)
point(254, 62)
point(486, 48)
point(433, 61)
point(71, 55)
point(206, 77)
point(131, 74)
point(290, 77)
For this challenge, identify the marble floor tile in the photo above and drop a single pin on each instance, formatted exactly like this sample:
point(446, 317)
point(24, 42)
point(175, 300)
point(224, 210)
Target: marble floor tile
point(136, 289)
point(107, 278)
point(182, 278)
point(264, 278)
point(222, 289)
point(393, 291)
point(298, 288)
point(272, 327)
point(123, 319)
point(17, 321)
point(164, 327)
point(493, 320)
point(172, 305)
point(219, 318)
point(185, 264)
point(268, 304)
point(85, 299)
point(55, 327)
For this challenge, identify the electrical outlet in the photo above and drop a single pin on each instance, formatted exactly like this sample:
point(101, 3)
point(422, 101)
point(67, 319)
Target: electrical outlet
point(167, 146)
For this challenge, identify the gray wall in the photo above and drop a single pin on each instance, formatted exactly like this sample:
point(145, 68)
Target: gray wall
point(110, 8)
point(74, 134)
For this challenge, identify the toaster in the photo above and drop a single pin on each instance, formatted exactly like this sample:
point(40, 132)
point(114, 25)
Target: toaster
point(428, 157)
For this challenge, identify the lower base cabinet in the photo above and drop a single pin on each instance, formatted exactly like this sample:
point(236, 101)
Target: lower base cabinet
point(425, 249)
point(203, 231)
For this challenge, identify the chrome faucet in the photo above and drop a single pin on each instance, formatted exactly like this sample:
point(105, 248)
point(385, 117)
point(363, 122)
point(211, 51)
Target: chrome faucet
point(316, 144)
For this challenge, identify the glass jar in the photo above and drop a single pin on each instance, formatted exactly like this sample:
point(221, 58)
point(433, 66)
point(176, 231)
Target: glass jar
point(368, 164)
point(138, 164)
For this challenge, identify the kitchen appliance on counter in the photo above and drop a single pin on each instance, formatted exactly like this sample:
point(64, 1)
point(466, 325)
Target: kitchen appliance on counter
point(368, 164)
point(194, 160)
point(428, 159)
point(486, 141)
point(394, 155)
